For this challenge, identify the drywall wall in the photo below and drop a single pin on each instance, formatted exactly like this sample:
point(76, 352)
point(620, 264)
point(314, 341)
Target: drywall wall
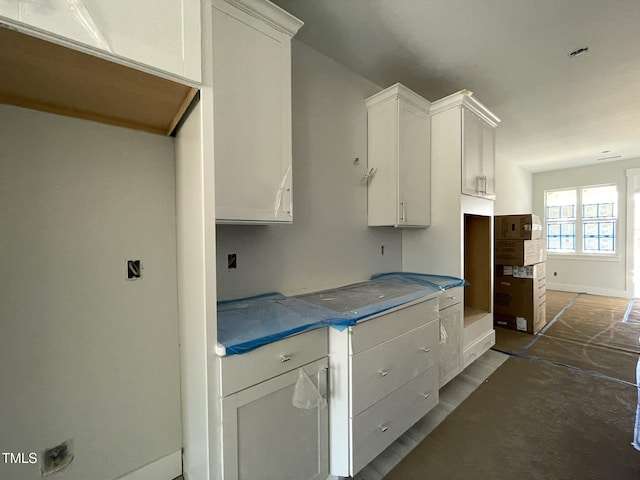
point(513, 186)
point(85, 354)
point(581, 273)
point(329, 243)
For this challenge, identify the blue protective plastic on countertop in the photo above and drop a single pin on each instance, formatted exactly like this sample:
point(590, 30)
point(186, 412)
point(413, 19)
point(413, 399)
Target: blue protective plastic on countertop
point(443, 282)
point(248, 323)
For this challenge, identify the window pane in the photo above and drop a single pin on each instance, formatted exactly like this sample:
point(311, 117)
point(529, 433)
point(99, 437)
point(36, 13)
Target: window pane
point(568, 243)
point(553, 213)
point(605, 197)
point(607, 244)
point(599, 237)
point(561, 204)
point(553, 229)
point(607, 229)
point(605, 210)
point(590, 211)
point(553, 243)
point(568, 229)
point(591, 244)
point(590, 229)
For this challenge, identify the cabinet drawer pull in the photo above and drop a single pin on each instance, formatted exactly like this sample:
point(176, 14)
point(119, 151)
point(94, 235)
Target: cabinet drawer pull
point(383, 373)
point(425, 349)
point(285, 358)
point(425, 395)
point(383, 428)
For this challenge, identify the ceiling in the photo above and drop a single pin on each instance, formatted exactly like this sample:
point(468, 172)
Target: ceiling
point(556, 111)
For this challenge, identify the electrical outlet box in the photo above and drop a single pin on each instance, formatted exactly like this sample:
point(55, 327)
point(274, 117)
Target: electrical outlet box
point(134, 269)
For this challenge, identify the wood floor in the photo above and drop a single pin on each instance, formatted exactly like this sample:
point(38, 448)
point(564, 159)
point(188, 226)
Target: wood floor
point(451, 395)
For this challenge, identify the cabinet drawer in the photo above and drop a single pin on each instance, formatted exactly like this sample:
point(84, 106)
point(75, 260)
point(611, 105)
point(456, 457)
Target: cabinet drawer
point(473, 351)
point(377, 330)
point(451, 297)
point(247, 369)
point(380, 425)
point(380, 370)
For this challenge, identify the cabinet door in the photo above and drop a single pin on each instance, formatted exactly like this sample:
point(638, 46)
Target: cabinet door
point(488, 159)
point(266, 437)
point(471, 153)
point(451, 325)
point(414, 166)
point(165, 38)
point(252, 118)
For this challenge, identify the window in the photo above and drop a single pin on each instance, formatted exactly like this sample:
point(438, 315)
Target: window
point(582, 220)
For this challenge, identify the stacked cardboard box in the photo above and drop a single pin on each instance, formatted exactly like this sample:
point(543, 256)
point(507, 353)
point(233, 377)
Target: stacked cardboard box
point(520, 279)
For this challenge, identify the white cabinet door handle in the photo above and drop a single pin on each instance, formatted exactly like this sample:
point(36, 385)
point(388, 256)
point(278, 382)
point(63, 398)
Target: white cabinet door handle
point(285, 358)
point(425, 349)
point(383, 428)
point(425, 395)
point(402, 218)
point(383, 373)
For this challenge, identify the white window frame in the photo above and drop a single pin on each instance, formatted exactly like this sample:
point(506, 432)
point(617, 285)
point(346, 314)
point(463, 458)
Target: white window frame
point(579, 225)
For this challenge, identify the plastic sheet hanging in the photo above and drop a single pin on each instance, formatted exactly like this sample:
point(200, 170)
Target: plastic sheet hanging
point(306, 395)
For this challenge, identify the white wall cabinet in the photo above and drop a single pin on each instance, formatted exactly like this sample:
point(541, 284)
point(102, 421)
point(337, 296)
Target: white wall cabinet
point(399, 193)
point(478, 151)
point(263, 434)
point(252, 111)
point(383, 378)
point(164, 37)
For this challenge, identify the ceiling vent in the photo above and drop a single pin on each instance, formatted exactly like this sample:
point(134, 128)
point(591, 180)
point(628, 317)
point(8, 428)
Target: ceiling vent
point(578, 51)
point(611, 157)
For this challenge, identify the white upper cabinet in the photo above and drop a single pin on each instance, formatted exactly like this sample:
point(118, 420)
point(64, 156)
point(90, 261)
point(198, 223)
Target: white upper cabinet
point(478, 155)
point(399, 194)
point(475, 131)
point(252, 111)
point(164, 36)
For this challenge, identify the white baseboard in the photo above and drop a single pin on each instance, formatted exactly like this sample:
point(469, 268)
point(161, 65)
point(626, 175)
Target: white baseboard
point(165, 468)
point(609, 292)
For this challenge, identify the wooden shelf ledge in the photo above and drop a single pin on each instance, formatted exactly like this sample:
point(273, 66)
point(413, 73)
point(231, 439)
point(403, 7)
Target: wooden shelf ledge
point(41, 75)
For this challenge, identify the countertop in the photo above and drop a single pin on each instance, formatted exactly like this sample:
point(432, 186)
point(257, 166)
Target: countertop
point(245, 324)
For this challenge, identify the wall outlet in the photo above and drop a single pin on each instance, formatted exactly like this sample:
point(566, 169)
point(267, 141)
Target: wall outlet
point(232, 261)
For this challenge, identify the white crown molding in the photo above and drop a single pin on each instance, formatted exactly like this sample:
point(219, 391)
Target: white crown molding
point(398, 91)
point(464, 98)
point(269, 13)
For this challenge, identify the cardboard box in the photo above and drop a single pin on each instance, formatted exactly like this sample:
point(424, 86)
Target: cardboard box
point(520, 302)
point(518, 227)
point(520, 253)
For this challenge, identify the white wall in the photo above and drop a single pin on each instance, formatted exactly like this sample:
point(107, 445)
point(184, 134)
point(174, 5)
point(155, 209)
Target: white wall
point(513, 187)
point(85, 354)
point(329, 243)
point(597, 276)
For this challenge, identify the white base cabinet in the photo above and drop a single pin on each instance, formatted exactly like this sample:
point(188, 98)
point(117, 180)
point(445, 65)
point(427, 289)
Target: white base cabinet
point(451, 327)
point(383, 378)
point(264, 436)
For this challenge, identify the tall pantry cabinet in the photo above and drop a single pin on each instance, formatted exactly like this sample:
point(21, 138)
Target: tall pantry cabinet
point(459, 240)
